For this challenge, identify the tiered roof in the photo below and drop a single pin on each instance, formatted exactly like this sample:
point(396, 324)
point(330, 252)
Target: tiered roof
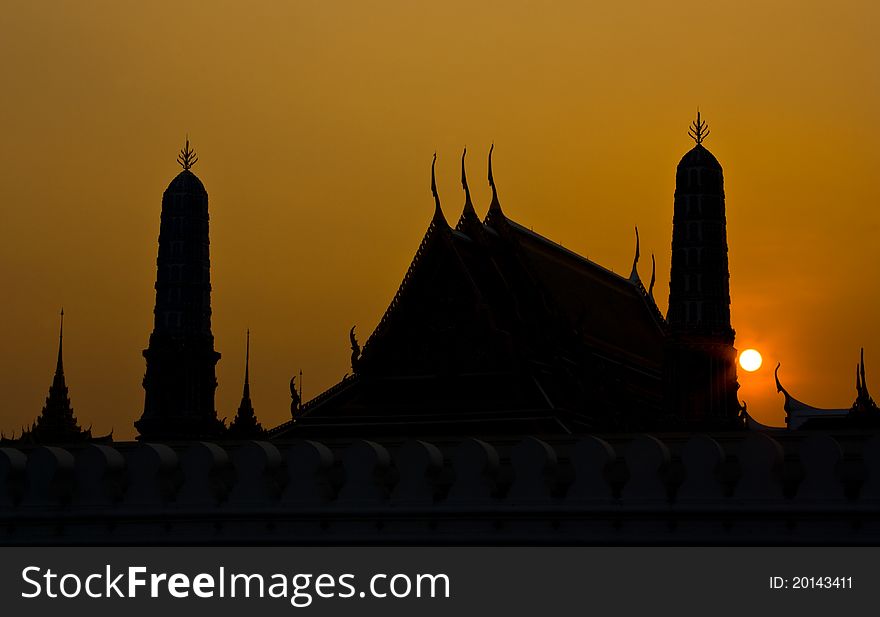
point(495, 327)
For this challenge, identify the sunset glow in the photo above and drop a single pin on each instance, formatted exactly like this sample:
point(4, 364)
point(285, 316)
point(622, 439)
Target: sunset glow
point(750, 360)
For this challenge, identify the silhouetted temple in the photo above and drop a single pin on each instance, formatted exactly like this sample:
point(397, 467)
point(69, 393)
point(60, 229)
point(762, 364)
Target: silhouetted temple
point(514, 392)
point(57, 423)
point(862, 414)
point(180, 380)
point(245, 424)
point(496, 329)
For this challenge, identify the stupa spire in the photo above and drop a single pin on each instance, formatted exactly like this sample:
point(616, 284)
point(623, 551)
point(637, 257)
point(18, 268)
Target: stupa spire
point(56, 422)
point(180, 380)
point(245, 425)
point(699, 292)
point(59, 365)
point(247, 363)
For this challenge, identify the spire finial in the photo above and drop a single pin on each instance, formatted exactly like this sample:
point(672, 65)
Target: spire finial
point(862, 370)
point(187, 157)
point(634, 275)
point(59, 367)
point(247, 358)
point(653, 276)
point(698, 130)
point(858, 382)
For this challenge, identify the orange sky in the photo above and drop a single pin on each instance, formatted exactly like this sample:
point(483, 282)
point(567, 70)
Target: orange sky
point(315, 123)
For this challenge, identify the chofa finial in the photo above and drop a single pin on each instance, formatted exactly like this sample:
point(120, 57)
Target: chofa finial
point(187, 157)
point(438, 211)
point(491, 179)
point(634, 275)
point(434, 180)
point(698, 130)
point(495, 205)
point(464, 183)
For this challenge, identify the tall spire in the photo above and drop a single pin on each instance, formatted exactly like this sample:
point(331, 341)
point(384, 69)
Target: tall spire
point(698, 130)
point(57, 423)
point(438, 211)
point(704, 388)
point(59, 365)
point(653, 277)
point(864, 406)
point(861, 384)
point(181, 380)
point(862, 369)
point(58, 382)
point(245, 425)
point(247, 363)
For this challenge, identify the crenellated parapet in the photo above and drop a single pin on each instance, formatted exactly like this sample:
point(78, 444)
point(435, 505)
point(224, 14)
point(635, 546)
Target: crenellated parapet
point(626, 489)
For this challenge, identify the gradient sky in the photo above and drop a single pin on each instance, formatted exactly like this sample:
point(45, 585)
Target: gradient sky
point(315, 123)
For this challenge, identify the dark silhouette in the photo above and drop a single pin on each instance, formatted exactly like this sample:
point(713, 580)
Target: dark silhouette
point(701, 373)
point(57, 423)
point(862, 414)
point(495, 332)
point(498, 330)
point(295, 397)
point(245, 424)
point(180, 381)
point(355, 350)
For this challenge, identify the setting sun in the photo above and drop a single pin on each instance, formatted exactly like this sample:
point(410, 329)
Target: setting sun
point(750, 360)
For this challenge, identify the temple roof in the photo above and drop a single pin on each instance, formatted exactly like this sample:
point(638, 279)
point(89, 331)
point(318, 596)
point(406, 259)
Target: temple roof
point(609, 310)
point(797, 413)
point(495, 325)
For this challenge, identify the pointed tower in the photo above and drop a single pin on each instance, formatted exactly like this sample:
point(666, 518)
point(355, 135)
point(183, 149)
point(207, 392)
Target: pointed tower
point(702, 378)
point(245, 425)
point(56, 423)
point(180, 381)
